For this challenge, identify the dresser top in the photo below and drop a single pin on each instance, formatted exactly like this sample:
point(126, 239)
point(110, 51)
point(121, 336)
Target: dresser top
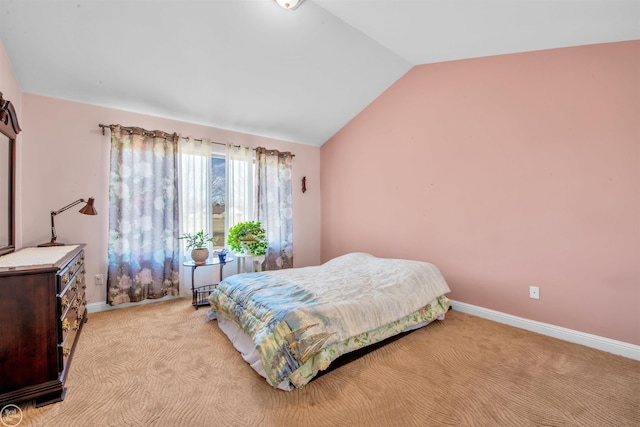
point(37, 257)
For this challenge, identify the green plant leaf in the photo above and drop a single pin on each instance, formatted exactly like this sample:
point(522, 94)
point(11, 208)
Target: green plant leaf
point(248, 236)
point(197, 240)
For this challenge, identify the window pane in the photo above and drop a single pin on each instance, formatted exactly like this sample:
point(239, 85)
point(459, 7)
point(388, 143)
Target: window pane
point(218, 200)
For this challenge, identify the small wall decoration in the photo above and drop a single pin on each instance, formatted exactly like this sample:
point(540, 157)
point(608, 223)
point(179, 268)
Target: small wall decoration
point(304, 184)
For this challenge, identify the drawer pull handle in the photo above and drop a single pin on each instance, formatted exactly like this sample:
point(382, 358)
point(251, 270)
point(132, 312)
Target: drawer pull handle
point(71, 271)
point(75, 305)
point(76, 324)
point(74, 287)
point(65, 325)
point(64, 302)
point(66, 351)
point(65, 279)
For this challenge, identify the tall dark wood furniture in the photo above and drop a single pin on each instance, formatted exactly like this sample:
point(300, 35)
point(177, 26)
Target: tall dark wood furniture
point(9, 130)
point(42, 310)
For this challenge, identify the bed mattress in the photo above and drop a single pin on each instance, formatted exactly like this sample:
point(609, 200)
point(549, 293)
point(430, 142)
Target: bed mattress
point(245, 346)
point(300, 320)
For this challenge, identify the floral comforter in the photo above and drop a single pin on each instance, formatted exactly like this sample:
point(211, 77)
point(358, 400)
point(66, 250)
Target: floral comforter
point(301, 319)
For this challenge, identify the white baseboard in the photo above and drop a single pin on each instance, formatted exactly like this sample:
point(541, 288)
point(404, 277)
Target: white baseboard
point(94, 307)
point(594, 341)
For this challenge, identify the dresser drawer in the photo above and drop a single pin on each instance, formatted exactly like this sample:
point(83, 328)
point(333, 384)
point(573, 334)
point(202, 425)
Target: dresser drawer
point(66, 345)
point(71, 282)
point(68, 275)
point(70, 326)
point(69, 317)
point(71, 307)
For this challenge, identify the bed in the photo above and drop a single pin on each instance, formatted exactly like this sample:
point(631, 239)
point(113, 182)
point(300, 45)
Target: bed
point(291, 324)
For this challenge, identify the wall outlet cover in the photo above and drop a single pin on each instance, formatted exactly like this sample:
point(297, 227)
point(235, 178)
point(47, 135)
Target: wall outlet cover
point(534, 292)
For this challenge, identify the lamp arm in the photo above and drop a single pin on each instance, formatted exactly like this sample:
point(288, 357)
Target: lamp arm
point(69, 206)
point(54, 236)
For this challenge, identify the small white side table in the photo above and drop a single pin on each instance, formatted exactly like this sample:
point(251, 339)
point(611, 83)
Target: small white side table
point(254, 262)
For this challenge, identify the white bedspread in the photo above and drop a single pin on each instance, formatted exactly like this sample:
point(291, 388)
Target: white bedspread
point(292, 314)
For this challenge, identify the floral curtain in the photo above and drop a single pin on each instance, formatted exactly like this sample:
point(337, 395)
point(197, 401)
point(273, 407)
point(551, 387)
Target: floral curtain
point(274, 205)
point(143, 216)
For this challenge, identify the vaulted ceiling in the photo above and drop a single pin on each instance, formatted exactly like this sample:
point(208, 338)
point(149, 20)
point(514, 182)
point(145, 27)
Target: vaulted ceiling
point(251, 66)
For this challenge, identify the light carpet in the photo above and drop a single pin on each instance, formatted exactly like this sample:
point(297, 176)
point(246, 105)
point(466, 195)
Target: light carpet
point(165, 364)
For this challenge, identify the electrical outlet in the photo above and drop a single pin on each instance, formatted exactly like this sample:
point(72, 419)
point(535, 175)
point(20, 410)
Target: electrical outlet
point(99, 280)
point(534, 292)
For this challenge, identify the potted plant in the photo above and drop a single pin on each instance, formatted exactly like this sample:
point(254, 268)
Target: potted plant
point(222, 254)
point(249, 238)
point(197, 242)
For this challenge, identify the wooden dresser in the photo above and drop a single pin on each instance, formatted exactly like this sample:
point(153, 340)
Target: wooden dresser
point(42, 310)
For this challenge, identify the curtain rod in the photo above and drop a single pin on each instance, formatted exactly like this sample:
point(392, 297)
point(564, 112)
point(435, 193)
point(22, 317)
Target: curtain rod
point(161, 134)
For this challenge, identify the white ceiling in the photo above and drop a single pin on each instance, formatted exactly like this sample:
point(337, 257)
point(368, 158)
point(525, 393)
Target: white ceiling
point(251, 66)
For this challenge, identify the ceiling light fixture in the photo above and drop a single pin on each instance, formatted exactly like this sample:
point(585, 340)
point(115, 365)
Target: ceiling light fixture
point(289, 4)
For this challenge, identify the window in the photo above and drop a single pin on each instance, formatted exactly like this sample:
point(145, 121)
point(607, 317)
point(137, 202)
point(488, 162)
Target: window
point(218, 171)
point(207, 203)
point(217, 191)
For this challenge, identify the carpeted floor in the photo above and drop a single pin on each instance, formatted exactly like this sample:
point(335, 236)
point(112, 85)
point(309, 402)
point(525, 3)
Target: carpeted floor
point(164, 364)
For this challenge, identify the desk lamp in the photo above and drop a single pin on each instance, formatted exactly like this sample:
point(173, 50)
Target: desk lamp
point(88, 209)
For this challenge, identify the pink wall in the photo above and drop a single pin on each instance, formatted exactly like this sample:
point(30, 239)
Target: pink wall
point(66, 157)
point(506, 172)
point(8, 84)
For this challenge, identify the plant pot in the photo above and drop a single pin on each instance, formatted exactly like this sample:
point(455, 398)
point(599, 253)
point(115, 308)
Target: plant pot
point(246, 245)
point(200, 255)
